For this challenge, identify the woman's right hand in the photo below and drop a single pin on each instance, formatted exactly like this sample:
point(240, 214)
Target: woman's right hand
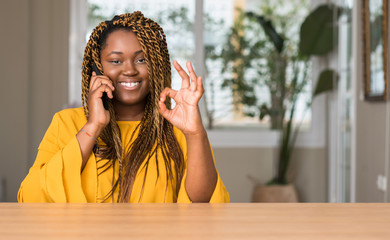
point(98, 116)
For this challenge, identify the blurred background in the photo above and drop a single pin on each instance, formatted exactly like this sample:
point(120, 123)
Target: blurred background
point(296, 91)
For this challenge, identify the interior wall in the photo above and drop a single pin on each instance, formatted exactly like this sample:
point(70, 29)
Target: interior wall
point(14, 65)
point(370, 156)
point(371, 131)
point(34, 67)
point(242, 168)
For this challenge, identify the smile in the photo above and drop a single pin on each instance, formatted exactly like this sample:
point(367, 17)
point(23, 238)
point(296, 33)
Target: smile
point(129, 84)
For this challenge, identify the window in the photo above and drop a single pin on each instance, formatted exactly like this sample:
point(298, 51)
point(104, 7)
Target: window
point(341, 165)
point(243, 66)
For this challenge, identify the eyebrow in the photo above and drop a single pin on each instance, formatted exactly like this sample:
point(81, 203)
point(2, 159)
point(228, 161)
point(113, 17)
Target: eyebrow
point(116, 52)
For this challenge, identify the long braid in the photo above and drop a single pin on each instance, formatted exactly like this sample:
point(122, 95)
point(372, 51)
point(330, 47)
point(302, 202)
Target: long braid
point(154, 131)
point(111, 133)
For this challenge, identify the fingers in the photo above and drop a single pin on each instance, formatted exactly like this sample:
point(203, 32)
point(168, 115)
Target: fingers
point(100, 84)
point(167, 92)
point(199, 83)
point(193, 84)
point(185, 79)
point(99, 80)
point(93, 78)
point(98, 92)
point(105, 88)
point(164, 111)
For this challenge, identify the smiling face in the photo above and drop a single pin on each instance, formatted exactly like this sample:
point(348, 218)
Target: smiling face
point(124, 63)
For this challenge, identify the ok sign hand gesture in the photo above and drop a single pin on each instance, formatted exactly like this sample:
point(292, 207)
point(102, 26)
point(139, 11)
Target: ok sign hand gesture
point(185, 115)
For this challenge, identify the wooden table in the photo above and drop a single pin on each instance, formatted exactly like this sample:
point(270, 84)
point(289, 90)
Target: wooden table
point(195, 221)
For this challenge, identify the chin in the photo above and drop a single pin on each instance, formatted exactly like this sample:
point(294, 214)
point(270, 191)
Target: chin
point(130, 101)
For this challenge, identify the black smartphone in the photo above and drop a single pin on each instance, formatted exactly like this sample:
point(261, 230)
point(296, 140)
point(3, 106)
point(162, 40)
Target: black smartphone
point(105, 97)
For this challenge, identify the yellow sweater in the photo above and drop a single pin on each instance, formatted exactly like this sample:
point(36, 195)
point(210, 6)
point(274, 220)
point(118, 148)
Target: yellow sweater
point(55, 175)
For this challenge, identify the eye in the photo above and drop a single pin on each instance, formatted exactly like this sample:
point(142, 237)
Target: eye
point(141, 60)
point(115, 61)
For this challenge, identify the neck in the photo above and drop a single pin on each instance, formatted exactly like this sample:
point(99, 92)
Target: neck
point(129, 112)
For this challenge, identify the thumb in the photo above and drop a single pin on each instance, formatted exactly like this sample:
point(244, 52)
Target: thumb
point(164, 111)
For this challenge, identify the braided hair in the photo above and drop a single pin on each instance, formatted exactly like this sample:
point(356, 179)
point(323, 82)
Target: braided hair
point(155, 132)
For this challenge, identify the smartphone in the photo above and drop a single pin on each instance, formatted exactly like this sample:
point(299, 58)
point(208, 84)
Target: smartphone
point(105, 97)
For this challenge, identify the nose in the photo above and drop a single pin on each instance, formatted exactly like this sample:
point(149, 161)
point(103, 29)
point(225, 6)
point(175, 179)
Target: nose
point(129, 69)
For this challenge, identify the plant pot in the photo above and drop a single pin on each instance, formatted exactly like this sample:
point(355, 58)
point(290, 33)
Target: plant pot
point(275, 194)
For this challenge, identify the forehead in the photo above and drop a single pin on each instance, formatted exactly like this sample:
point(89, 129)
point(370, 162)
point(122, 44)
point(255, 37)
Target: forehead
point(122, 40)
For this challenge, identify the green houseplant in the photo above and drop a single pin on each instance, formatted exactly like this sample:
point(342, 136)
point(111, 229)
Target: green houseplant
point(316, 39)
point(282, 67)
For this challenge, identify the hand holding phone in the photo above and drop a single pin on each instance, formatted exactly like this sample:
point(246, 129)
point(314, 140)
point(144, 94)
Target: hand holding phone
point(104, 97)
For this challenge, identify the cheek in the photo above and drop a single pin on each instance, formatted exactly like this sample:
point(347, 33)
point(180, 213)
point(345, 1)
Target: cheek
point(112, 74)
point(144, 72)
point(145, 77)
point(147, 87)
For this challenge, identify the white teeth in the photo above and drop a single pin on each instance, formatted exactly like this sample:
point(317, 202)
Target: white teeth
point(131, 84)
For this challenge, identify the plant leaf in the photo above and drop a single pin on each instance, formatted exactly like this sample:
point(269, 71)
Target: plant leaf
point(276, 38)
point(317, 31)
point(325, 82)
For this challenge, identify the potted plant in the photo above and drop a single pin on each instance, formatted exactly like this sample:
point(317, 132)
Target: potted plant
point(282, 67)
